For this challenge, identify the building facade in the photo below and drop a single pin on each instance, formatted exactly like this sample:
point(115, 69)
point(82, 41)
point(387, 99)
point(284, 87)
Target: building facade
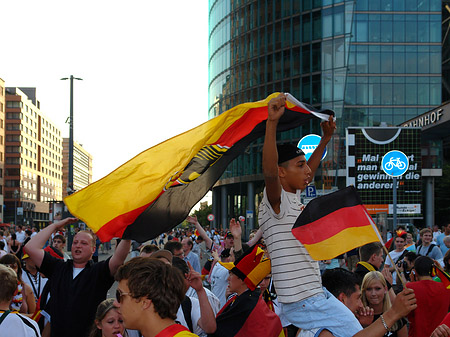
point(33, 160)
point(372, 62)
point(82, 167)
point(2, 144)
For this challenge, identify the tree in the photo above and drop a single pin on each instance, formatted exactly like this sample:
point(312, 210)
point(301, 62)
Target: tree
point(202, 214)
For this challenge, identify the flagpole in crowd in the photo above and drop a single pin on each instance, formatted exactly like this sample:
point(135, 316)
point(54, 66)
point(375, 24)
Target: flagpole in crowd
point(375, 228)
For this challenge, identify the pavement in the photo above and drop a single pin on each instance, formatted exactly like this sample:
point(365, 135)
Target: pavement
point(104, 256)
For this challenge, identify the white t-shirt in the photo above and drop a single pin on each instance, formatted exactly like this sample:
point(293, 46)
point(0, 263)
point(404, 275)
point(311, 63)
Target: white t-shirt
point(6, 245)
point(295, 274)
point(195, 316)
point(37, 284)
point(212, 299)
point(394, 255)
point(20, 236)
point(219, 282)
point(14, 326)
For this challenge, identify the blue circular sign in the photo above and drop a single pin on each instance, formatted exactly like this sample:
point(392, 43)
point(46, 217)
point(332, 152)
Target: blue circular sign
point(308, 144)
point(395, 163)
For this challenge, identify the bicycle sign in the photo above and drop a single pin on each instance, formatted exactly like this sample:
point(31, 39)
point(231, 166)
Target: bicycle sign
point(395, 163)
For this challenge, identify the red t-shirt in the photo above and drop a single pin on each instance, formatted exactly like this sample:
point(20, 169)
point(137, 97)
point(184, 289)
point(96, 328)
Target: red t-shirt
point(175, 330)
point(433, 303)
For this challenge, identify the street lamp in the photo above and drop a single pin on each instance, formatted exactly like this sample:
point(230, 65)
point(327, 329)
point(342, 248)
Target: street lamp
point(70, 177)
point(16, 195)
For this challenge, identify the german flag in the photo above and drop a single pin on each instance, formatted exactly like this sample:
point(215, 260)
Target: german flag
point(154, 191)
point(247, 315)
point(334, 224)
point(443, 276)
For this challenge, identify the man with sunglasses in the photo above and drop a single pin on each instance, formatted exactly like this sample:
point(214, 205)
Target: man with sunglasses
point(148, 297)
point(78, 285)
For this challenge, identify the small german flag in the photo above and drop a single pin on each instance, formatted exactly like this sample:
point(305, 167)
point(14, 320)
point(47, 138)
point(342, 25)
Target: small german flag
point(443, 276)
point(334, 224)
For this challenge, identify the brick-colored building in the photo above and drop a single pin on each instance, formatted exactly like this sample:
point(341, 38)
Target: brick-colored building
point(33, 159)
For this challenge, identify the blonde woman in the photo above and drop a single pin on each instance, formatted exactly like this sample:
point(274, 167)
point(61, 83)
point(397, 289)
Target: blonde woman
point(374, 293)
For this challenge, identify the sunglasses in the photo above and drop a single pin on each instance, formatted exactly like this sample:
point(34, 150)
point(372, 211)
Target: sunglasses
point(120, 294)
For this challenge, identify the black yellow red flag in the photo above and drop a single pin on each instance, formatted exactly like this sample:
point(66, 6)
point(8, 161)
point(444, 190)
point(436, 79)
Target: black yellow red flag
point(155, 191)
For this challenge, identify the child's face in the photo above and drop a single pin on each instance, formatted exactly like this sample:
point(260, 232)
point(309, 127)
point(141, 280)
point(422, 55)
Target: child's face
point(295, 175)
point(447, 243)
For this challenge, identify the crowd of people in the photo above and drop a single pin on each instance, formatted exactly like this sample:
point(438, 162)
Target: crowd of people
point(202, 282)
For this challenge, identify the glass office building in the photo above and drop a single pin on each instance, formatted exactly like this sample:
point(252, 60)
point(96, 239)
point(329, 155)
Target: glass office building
point(372, 62)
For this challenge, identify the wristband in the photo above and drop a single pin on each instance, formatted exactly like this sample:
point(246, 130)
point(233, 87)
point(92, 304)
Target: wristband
point(384, 323)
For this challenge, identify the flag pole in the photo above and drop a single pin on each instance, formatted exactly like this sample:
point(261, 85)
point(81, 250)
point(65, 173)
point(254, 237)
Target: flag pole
point(375, 228)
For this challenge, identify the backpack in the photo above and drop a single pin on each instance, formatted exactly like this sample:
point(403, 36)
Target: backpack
point(428, 251)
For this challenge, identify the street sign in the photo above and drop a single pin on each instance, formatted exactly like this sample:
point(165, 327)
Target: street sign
point(210, 217)
point(311, 191)
point(249, 214)
point(395, 163)
point(308, 144)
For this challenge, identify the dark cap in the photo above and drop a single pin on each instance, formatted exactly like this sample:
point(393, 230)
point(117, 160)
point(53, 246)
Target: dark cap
point(225, 253)
point(229, 235)
point(287, 152)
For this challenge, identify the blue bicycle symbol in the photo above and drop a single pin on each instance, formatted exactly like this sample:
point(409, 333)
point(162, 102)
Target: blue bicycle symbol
point(394, 162)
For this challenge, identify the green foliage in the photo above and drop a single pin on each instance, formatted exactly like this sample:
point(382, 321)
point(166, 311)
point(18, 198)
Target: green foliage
point(442, 197)
point(202, 214)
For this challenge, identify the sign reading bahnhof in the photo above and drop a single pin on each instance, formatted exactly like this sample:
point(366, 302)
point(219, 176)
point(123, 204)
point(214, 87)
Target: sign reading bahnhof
point(366, 148)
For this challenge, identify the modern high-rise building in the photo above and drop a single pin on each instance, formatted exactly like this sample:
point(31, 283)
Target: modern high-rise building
point(82, 167)
point(372, 62)
point(33, 159)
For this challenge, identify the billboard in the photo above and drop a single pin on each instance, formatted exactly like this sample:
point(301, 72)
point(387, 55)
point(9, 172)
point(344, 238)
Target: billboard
point(365, 149)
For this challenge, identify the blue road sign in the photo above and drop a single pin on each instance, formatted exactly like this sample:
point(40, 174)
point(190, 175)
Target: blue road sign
point(308, 144)
point(395, 163)
point(311, 191)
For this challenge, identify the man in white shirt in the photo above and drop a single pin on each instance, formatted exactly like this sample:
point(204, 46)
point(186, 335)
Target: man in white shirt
point(20, 234)
point(396, 254)
point(219, 276)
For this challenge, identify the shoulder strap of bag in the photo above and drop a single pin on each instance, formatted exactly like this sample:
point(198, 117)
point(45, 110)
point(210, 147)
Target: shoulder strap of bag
point(430, 249)
point(186, 306)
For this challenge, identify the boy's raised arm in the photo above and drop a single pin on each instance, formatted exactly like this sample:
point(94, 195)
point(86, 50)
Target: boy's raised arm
point(328, 128)
point(275, 109)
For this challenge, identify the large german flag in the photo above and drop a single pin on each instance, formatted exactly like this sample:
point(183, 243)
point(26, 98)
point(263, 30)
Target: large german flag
point(334, 224)
point(154, 191)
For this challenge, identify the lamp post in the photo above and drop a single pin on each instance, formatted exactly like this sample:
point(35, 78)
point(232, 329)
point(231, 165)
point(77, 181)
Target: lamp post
point(70, 177)
point(70, 189)
point(16, 195)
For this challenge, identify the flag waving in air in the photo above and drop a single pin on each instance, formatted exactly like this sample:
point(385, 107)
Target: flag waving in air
point(334, 224)
point(154, 191)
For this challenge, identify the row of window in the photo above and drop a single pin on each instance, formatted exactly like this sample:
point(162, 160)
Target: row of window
point(425, 28)
point(30, 175)
point(399, 5)
point(374, 116)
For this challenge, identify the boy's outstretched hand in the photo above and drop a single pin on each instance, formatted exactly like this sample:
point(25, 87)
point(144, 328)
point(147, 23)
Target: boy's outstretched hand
point(328, 127)
point(275, 107)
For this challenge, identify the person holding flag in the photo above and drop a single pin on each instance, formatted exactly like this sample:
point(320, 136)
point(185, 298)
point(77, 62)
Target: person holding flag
point(295, 273)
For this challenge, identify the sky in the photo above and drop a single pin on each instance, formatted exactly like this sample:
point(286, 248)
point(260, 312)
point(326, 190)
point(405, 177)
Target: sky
point(144, 66)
